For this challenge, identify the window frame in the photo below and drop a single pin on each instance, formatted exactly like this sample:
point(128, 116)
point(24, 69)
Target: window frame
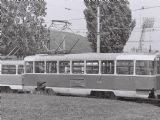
point(55, 70)
point(37, 67)
point(31, 67)
point(9, 70)
point(92, 67)
point(64, 69)
point(104, 68)
point(79, 66)
point(22, 69)
point(147, 70)
point(130, 66)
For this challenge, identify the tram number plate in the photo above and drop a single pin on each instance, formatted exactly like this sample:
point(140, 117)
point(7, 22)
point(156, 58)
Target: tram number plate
point(77, 83)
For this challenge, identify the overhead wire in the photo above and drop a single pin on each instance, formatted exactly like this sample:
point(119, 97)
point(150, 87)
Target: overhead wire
point(144, 8)
point(81, 30)
point(132, 10)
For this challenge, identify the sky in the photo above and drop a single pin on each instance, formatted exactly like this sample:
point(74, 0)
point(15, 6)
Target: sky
point(72, 10)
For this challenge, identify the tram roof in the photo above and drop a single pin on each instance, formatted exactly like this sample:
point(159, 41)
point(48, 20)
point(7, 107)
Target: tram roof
point(12, 62)
point(93, 56)
point(136, 57)
point(83, 56)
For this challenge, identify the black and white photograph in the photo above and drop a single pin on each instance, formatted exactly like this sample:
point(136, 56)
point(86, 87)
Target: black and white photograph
point(79, 59)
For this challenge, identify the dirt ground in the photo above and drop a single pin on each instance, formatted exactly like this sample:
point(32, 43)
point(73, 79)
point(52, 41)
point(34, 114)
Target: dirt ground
point(43, 107)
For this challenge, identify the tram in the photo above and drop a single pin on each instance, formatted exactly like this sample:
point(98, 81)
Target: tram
point(104, 74)
point(11, 75)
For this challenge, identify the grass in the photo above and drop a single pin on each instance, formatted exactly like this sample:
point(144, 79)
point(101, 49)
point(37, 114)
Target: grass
point(41, 107)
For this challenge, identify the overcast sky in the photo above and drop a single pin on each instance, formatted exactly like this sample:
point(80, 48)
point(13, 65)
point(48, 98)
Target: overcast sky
point(56, 10)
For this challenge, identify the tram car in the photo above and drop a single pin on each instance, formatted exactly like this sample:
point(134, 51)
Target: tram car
point(11, 75)
point(97, 74)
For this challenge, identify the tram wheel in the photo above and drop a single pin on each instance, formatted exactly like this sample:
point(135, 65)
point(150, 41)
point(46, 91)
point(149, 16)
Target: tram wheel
point(103, 94)
point(5, 89)
point(49, 91)
point(112, 95)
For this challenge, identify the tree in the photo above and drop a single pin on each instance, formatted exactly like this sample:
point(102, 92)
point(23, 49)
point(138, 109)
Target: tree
point(116, 24)
point(22, 26)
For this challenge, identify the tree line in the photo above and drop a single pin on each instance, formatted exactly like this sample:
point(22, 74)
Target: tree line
point(23, 29)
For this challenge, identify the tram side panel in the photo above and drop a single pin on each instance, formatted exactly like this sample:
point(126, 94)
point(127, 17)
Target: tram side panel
point(124, 83)
point(62, 81)
point(128, 83)
point(83, 84)
point(12, 81)
point(145, 83)
point(30, 80)
point(70, 82)
point(92, 81)
point(158, 82)
point(133, 86)
point(158, 86)
point(104, 82)
point(81, 81)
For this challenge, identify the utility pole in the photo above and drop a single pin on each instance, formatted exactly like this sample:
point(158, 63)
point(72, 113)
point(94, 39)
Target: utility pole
point(141, 39)
point(98, 29)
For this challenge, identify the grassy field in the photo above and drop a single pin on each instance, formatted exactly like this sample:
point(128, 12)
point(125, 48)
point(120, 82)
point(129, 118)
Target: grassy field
point(41, 107)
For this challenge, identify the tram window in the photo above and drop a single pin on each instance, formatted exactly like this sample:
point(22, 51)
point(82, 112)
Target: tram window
point(125, 67)
point(158, 65)
point(39, 67)
point(8, 69)
point(92, 67)
point(20, 69)
point(144, 67)
point(29, 67)
point(78, 67)
point(51, 67)
point(64, 67)
point(107, 67)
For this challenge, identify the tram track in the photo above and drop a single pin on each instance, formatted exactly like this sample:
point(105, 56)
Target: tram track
point(155, 102)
